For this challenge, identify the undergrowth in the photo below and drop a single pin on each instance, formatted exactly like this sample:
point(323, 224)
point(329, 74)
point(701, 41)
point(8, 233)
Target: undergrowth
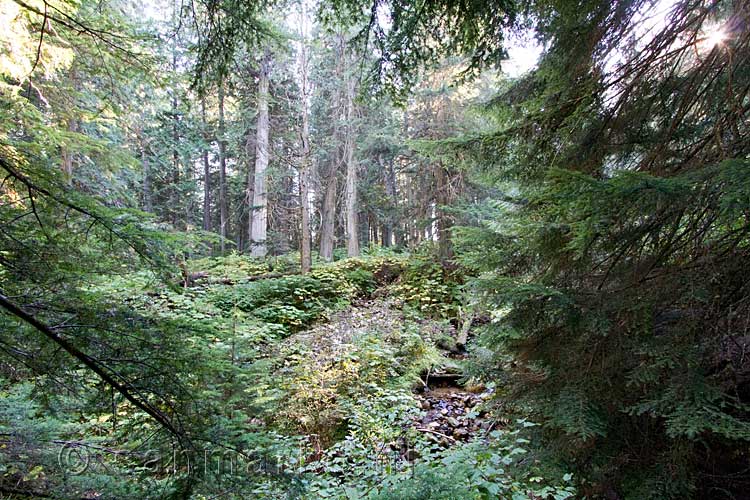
point(299, 415)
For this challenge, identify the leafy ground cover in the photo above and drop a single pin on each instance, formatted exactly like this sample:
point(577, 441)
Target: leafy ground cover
point(342, 383)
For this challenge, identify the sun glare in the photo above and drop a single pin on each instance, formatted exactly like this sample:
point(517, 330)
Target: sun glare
point(712, 38)
point(715, 37)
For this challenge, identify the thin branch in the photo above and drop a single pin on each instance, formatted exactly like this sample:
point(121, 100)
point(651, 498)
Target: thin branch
point(123, 388)
point(41, 40)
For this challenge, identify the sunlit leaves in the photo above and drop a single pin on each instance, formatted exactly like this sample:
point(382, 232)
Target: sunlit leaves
point(28, 50)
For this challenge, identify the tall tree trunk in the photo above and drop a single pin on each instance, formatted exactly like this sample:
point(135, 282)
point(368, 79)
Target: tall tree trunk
point(259, 215)
point(173, 191)
point(250, 185)
point(328, 208)
point(400, 236)
point(417, 219)
point(390, 191)
point(328, 211)
point(443, 188)
point(223, 202)
point(172, 211)
point(352, 231)
point(206, 171)
point(283, 221)
point(305, 241)
point(305, 236)
point(304, 172)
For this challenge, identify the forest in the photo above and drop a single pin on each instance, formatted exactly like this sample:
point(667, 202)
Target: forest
point(380, 249)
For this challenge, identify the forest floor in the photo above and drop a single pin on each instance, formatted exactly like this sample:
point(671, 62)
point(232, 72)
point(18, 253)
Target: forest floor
point(343, 383)
point(363, 365)
point(451, 411)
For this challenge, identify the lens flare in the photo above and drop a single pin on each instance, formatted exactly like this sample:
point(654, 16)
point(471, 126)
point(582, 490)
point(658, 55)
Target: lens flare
point(715, 37)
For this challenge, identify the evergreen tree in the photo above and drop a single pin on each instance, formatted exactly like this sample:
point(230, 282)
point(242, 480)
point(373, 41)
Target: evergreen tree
point(616, 249)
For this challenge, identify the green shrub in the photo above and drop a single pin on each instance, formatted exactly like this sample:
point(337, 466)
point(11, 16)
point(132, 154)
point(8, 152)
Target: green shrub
point(232, 266)
point(428, 286)
point(362, 279)
point(496, 468)
point(291, 301)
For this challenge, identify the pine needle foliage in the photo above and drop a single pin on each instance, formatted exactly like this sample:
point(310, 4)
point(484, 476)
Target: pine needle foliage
point(618, 255)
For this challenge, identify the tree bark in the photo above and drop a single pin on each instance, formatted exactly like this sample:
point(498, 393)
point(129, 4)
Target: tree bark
point(443, 188)
point(352, 231)
point(304, 189)
point(249, 186)
point(390, 191)
point(328, 208)
point(304, 172)
point(223, 202)
point(173, 191)
point(259, 215)
point(328, 211)
point(206, 171)
point(173, 188)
